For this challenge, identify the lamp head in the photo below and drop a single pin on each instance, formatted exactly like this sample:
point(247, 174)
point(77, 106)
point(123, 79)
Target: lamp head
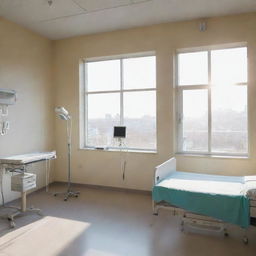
point(62, 113)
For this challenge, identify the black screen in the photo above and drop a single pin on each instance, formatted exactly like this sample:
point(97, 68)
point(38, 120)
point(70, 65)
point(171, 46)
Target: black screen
point(119, 131)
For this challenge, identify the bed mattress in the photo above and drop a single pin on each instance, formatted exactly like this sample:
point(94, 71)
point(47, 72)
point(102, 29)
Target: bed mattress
point(250, 186)
point(222, 197)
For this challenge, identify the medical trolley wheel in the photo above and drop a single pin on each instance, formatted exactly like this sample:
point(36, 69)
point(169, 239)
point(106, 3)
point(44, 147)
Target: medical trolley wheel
point(40, 213)
point(245, 240)
point(12, 224)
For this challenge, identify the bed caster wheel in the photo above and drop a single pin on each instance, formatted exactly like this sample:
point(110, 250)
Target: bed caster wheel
point(156, 214)
point(54, 194)
point(182, 229)
point(226, 234)
point(245, 240)
point(76, 196)
point(65, 199)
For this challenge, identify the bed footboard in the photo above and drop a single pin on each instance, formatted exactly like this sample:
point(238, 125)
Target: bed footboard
point(161, 172)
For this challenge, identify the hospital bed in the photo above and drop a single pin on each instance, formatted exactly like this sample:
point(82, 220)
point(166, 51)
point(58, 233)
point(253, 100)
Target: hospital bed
point(205, 201)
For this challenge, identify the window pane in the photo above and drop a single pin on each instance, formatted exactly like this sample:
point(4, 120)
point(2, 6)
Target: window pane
point(103, 114)
point(193, 68)
point(229, 66)
point(139, 72)
point(140, 119)
point(103, 75)
point(229, 119)
point(195, 120)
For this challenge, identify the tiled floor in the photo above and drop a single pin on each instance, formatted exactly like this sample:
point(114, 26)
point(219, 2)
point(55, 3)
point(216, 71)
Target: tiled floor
point(109, 223)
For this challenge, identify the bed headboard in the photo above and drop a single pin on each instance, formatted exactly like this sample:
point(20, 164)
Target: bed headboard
point(165, 169)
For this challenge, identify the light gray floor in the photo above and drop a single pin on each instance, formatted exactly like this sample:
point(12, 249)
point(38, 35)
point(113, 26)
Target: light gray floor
point(108, 223)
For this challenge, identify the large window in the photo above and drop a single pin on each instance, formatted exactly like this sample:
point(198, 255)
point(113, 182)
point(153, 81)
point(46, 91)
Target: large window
point(212, 101)
point(120, 91)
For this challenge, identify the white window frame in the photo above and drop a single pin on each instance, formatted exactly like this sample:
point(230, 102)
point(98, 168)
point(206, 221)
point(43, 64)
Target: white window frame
point(179, 102)
point(84, 99)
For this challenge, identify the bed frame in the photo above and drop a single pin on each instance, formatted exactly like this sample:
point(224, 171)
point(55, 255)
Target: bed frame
point(195, 221)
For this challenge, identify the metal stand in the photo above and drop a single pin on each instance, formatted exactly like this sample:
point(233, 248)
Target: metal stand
point(18, 164)
point(69, 192)
point(22, 210)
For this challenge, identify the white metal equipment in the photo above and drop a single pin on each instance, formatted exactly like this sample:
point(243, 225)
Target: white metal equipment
point(23, 181)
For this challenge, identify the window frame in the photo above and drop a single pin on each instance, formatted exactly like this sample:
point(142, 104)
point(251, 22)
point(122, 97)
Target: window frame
point(84, 100)
point(179, 102)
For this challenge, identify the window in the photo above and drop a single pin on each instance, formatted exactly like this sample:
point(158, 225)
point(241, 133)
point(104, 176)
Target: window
point(212, 101)
point(120, 91)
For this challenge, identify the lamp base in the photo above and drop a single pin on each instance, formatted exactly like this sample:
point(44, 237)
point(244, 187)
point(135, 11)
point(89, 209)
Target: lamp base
point(68, 194)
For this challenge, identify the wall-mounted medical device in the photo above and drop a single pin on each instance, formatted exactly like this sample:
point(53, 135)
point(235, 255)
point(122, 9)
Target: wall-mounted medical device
point(7, 97)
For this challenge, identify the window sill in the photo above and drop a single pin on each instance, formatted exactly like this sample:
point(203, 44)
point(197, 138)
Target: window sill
point(118, 150)
point(214, 156)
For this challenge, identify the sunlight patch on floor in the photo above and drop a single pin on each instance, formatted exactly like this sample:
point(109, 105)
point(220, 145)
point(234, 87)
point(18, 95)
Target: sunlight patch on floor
point(47, 236)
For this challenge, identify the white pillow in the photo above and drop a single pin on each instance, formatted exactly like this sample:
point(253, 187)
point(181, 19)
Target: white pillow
point(250, 186)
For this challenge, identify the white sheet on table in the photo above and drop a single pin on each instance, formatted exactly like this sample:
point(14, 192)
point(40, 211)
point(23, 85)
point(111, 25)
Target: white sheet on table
point(27, 158)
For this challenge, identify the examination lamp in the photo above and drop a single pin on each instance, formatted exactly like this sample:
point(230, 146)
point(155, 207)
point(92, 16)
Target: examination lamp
point(64, 115)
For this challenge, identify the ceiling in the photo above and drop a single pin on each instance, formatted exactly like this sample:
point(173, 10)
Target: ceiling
point(67, 18)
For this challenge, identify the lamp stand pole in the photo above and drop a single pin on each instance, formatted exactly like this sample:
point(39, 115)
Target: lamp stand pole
point(69, 167)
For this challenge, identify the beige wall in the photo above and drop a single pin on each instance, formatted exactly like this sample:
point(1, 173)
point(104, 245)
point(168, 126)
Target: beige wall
point(26, 66)
point(103, 168)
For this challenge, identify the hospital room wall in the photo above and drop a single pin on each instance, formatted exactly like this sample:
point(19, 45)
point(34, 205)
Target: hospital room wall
point(103, 168)
point(26, 67)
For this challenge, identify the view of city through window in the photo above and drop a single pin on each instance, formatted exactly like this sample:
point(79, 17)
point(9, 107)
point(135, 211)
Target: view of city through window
point(213, 112)
point(121, 92)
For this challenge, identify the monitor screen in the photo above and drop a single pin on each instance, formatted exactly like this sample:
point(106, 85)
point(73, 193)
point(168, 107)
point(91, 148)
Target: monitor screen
point(119, 131)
